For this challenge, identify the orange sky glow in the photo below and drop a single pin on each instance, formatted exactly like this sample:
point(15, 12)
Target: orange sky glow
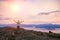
point(27, 10)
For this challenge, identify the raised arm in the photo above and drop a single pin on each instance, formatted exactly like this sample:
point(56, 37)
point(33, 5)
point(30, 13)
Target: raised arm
point(21, 21)
point(14, 21)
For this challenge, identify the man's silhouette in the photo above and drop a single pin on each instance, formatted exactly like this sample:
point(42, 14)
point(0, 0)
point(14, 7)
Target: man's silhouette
point(18, 23)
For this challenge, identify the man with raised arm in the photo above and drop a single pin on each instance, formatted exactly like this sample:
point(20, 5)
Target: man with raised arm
point(18, 23)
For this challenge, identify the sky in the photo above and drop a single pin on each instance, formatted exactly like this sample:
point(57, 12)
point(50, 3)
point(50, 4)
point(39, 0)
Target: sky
point(29, 10)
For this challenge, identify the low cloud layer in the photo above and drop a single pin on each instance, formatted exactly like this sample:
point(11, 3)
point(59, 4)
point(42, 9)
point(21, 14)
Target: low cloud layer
point(3, 18)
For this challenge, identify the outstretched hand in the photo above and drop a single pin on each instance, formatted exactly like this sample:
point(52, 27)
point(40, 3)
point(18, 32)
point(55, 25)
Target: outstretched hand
point(21, 21)
point(14, 21)
point(17, 21)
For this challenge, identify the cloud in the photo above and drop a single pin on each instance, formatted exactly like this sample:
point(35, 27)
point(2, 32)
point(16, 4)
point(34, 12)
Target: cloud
point(3, 18)
point(47, 13)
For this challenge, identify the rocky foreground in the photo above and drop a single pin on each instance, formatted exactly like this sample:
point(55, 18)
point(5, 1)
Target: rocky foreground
point(21, 34)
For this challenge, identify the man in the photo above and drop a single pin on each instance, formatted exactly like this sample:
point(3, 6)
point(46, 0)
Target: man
point(18, 23)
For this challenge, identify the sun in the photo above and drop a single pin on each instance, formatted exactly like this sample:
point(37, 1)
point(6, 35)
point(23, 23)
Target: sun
point(14, 7)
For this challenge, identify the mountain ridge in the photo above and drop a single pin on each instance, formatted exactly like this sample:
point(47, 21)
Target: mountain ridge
point(46, 26)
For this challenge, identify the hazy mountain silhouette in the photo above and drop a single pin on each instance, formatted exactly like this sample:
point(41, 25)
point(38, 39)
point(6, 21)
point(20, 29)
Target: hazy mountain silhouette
point(46, 26)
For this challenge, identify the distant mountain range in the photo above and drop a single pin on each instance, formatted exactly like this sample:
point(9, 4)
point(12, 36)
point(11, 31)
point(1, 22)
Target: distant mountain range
point(46, 26)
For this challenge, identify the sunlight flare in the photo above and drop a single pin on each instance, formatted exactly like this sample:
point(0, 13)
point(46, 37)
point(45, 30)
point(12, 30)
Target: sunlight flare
point(14, 7)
